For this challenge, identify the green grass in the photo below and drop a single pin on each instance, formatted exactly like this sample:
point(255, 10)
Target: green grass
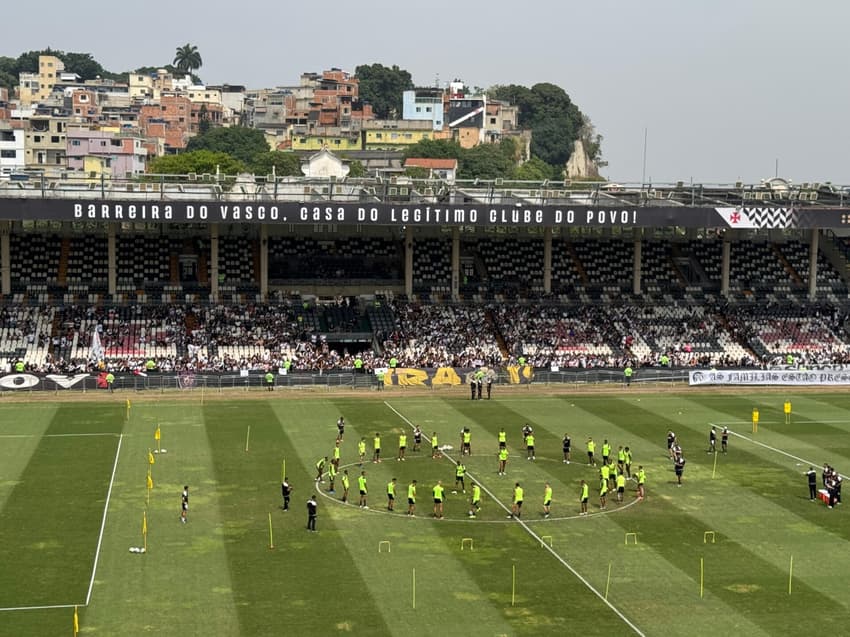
point(217, 575)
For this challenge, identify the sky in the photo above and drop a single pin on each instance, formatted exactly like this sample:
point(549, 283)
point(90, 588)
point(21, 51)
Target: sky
point(707, 91)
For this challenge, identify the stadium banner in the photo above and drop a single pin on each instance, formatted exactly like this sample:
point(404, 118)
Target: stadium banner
point(451, 376)
point(415, 214)
point(777, 377)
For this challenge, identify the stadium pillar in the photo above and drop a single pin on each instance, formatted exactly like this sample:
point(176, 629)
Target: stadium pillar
point(547, 260)
point(5, 259)
point(455, 264)
point(813, 264)
point(264, 262)
point(637, 264)
point(408, 262)
point(725, 267)
point(214, 261)
point(111, 261)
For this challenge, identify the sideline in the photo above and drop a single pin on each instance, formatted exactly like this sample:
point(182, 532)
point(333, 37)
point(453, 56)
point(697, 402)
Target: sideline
point(103, 521)
point(784, 453)
point(531, 532)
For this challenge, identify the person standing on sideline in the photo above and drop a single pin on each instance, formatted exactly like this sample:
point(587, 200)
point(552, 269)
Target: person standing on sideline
point(591, 449)
point(340, 428)
point(680, 469)
point(286, 492)
point(312, 511)
point(489, 384)
point(566, 447)
point(417, 438)
point(391, 495)
point(475, 502)
point(641, 480)
point(361, 486)
point(712, 440)
point(812, 477)
point(411, 499)
point(547, 499)
point(376, 446)
point(110, 382)
point(270, 381)
point(627, 375)
point(724, 439)
point(184, 504)
point(503, 460)
point(439, 494)
point(346, 483)
point(516, 509)
point(583, 496)
point(472, 383)
point(361, 450)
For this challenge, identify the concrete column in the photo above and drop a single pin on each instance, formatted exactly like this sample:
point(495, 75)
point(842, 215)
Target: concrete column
point(408, 262)
point(455, 264)
point(637, 265)
point(214, 261)
point(813, 264)
point(112, 261)
point(264, 262)
point(5, 258)
point(725, 267)
point(547, 260)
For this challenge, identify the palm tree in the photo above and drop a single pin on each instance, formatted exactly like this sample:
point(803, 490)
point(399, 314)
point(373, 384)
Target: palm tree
point(187, 58)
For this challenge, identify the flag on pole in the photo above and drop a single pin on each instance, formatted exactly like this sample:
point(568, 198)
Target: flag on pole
point(96, 349)
point(144, 523)
point(128, 404)
point(150, 482)
point(151, 459)
point(157, 434)
point(76, 622)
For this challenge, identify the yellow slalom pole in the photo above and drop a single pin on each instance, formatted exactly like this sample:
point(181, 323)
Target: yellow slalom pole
point(247, 438)
point(271, 537)
point(608, 581)
point(414, 588)
point(145, 530)
point(701, 577)
point(714, 469)
point(513, 584)
point(790, 574)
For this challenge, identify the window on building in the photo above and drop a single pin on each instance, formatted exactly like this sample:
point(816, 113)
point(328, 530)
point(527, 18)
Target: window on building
point(379, 135)
point(36, 139)
point(102, 143)
point(115, 142)
point(8, 153)
point(337, 142)
point(408, 135)
point(75, 142)
point(418, 109)
point(427, 109)
point(54, 139)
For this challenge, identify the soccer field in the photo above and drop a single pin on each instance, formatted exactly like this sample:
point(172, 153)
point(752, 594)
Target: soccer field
point(73, 495)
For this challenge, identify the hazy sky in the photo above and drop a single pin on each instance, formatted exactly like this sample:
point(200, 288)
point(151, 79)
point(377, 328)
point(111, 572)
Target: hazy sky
point(724, 89)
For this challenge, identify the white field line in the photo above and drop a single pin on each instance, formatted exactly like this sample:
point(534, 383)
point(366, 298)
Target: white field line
point(57, 435)
point(103, 521)
point(2, 610)
point(531, 532)
point(784, 453)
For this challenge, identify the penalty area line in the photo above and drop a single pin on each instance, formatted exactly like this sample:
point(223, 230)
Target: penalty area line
point(533, 534)
point(58, 435)
point(779, 451)
point(103, 521)
point(46, 607)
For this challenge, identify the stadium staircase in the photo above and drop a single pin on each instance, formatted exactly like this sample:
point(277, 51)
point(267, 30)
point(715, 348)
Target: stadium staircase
point(582, 273)
point(62, 273)
point(789, 270)
point(500, 340)
point(837, 252)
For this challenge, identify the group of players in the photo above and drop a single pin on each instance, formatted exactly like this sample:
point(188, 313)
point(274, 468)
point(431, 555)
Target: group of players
point(614, 471)
point(831, 482)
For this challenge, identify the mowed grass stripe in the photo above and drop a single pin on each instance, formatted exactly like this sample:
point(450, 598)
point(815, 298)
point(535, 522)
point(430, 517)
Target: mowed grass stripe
point(182, 585)
point(15, 453)
point(281, 589)
point(65, 480)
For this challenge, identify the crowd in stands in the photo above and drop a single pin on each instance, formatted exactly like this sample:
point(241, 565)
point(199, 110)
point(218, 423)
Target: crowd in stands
point(299, 335)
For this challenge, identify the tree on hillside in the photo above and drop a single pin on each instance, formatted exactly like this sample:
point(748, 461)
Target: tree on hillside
point(284, 163)
point(199, 162)
point(555, 121)
point(382, 87)
point(187, 59)
point(488, 161)
point(535, 169)
point(434, 149)
point(240, 142)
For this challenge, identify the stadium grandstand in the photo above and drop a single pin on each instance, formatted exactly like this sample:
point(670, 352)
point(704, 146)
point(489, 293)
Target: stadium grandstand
point(210, 274)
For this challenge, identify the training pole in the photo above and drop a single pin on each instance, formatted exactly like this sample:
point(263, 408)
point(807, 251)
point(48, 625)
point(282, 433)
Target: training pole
point(608, 581)
point(701, 577)
point(271, 537)
point(247, 438)
point(283, 470)
point(414, 588)
point(790, 574)
point(714, 469)
point(513, 584)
